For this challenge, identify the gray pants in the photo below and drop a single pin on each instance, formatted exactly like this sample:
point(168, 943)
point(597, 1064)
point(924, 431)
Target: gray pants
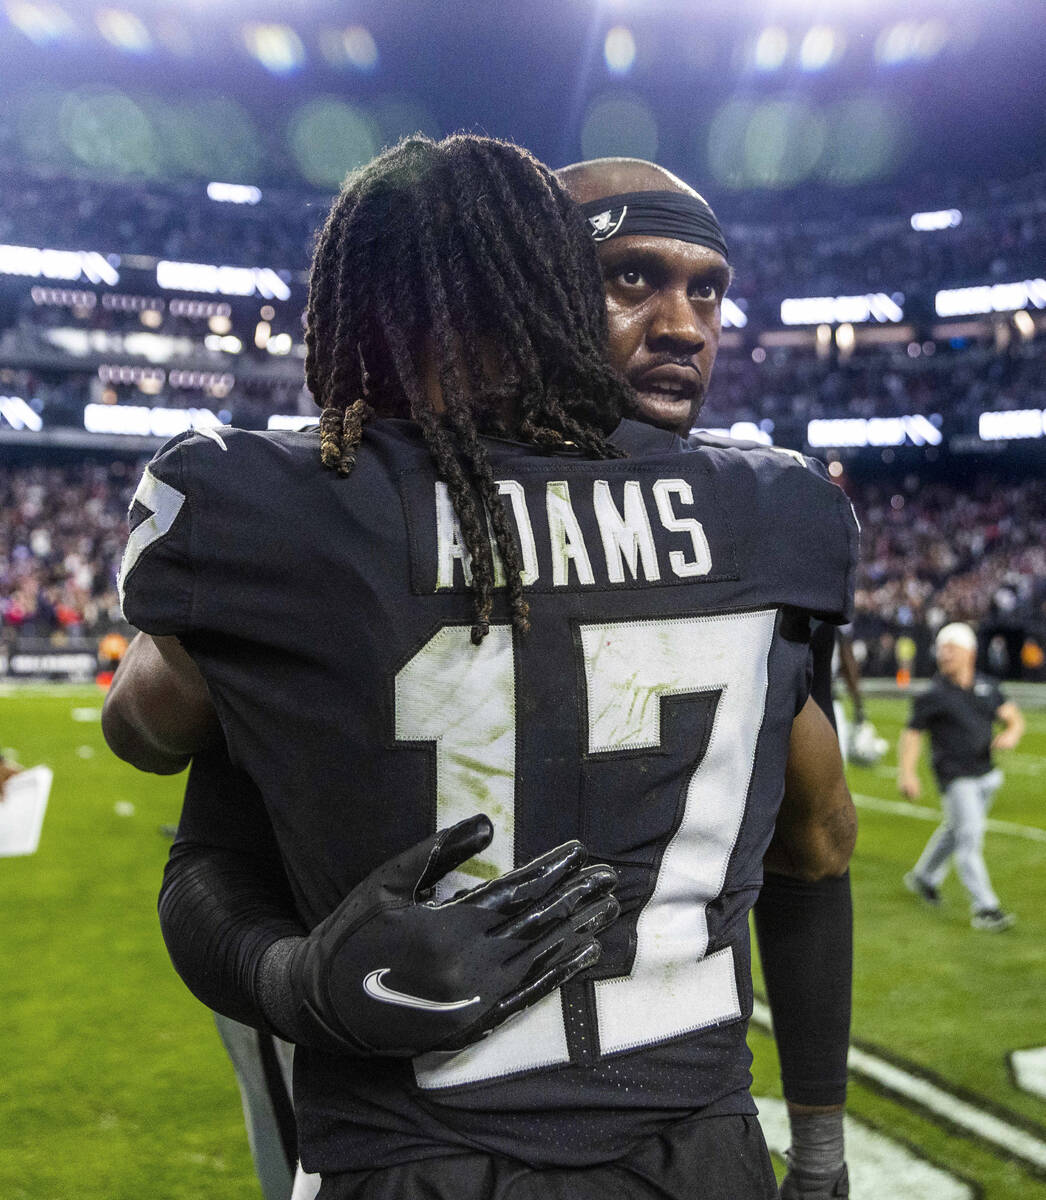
point(965, 803)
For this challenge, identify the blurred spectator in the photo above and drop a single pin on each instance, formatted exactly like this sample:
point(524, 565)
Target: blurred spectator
point(62, 531)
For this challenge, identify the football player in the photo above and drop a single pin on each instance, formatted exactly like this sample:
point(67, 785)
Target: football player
point(651, 645)
point(665, 303)
point(665, 268)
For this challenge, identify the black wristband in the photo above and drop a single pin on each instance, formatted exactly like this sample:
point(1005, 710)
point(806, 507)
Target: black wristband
point(805, 935)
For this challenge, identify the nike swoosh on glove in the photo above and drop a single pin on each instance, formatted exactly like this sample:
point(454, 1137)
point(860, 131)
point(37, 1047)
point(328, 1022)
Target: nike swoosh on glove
point(393, 972)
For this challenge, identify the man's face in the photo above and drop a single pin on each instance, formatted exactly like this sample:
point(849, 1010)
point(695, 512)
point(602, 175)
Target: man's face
point(664, 308)
point(954, 661)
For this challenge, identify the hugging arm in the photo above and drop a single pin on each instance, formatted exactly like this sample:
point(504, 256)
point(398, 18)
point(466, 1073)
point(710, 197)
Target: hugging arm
point(804, 923)
point(158, 711)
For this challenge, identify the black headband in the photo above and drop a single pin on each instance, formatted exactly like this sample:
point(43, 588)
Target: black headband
point(676, 215)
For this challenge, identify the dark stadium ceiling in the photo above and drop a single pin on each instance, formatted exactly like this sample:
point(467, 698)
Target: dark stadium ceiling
point(731, 95)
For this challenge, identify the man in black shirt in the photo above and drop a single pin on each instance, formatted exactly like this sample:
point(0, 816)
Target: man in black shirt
point(959, 711)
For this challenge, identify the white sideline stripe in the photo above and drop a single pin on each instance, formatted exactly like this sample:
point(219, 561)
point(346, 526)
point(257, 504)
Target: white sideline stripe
point(1029, 1068)
point(1009, 1138)
point(879, 1166)
point(923, 812)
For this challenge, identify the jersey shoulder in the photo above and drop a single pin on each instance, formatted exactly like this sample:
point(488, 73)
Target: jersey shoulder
point(194, 500)
point(789, 494)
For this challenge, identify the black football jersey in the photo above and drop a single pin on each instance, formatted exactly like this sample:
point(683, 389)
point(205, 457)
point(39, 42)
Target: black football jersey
point(647, 712)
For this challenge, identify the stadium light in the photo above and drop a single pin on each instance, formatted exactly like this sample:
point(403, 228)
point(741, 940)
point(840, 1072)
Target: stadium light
point(233, 193)
point(291, 421)
point(354, 47)
point(1011, 425)
point(130, 419)
point(742, 431)
point(277, 47)
point(911, 41)
point(838, 310)
point(1025, 324)
point(872, 431)
point(227, 343)
point(998, 297)
point(223, 281)
point(64, 298)
point(945, 218)
point(58, 264)
point(124, 30)
point(771, 49)
point(733, 316)
point(619, 50)
point(19, 415)
point(821, 47)
point(42, 23)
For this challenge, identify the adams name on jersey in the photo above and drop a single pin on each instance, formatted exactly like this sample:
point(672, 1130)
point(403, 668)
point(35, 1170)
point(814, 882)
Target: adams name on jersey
point(647, 712)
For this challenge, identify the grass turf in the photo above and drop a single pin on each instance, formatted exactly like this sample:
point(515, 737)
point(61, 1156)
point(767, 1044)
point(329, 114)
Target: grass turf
point(114, 1085)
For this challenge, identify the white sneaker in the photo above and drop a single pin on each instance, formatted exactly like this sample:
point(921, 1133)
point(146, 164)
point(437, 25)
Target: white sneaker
point(992, 919)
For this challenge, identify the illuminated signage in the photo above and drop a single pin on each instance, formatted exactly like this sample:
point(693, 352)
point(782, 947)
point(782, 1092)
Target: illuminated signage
point(18, 414)
point(58, 264)
point(292, 421)
point(873, 431)
point(734, 317)
point(64, 297)
point(742, 431)
point(996, 297)
point(838, 310)
point(222, 281)
point(146, 422)
point(1012, 424)
point(945, 218)
point(233, 193)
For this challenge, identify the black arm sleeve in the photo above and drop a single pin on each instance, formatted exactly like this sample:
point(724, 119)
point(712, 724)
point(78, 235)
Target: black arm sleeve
point(805, 935)
point(225, 898)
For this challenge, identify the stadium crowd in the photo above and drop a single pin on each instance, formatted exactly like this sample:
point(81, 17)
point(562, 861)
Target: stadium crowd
point(60, 341)
point(789, 387)
point(62, 532)
point(809, 252)
point(932, 553)
point(959, 382)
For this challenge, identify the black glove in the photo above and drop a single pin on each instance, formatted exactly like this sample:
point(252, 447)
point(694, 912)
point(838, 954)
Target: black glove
point(392, 972)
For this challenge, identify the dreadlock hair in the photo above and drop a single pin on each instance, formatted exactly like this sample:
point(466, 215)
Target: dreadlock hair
point(464, 258)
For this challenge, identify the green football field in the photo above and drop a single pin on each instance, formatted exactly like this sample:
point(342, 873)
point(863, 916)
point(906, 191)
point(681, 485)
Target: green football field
point(114, 1086)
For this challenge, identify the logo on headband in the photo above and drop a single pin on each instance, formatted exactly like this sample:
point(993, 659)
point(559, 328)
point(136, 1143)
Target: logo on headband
point(606, 224)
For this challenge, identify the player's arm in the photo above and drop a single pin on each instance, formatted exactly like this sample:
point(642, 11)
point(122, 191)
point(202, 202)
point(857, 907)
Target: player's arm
point(804, 922)
point(908, 750)
point(234, 935)
point(817, 825)
point(225, 897)
point(1013, 726)
point(158, 711)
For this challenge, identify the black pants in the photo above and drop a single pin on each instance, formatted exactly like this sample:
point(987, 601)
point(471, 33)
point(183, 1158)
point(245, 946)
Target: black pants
point(710, 1158)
